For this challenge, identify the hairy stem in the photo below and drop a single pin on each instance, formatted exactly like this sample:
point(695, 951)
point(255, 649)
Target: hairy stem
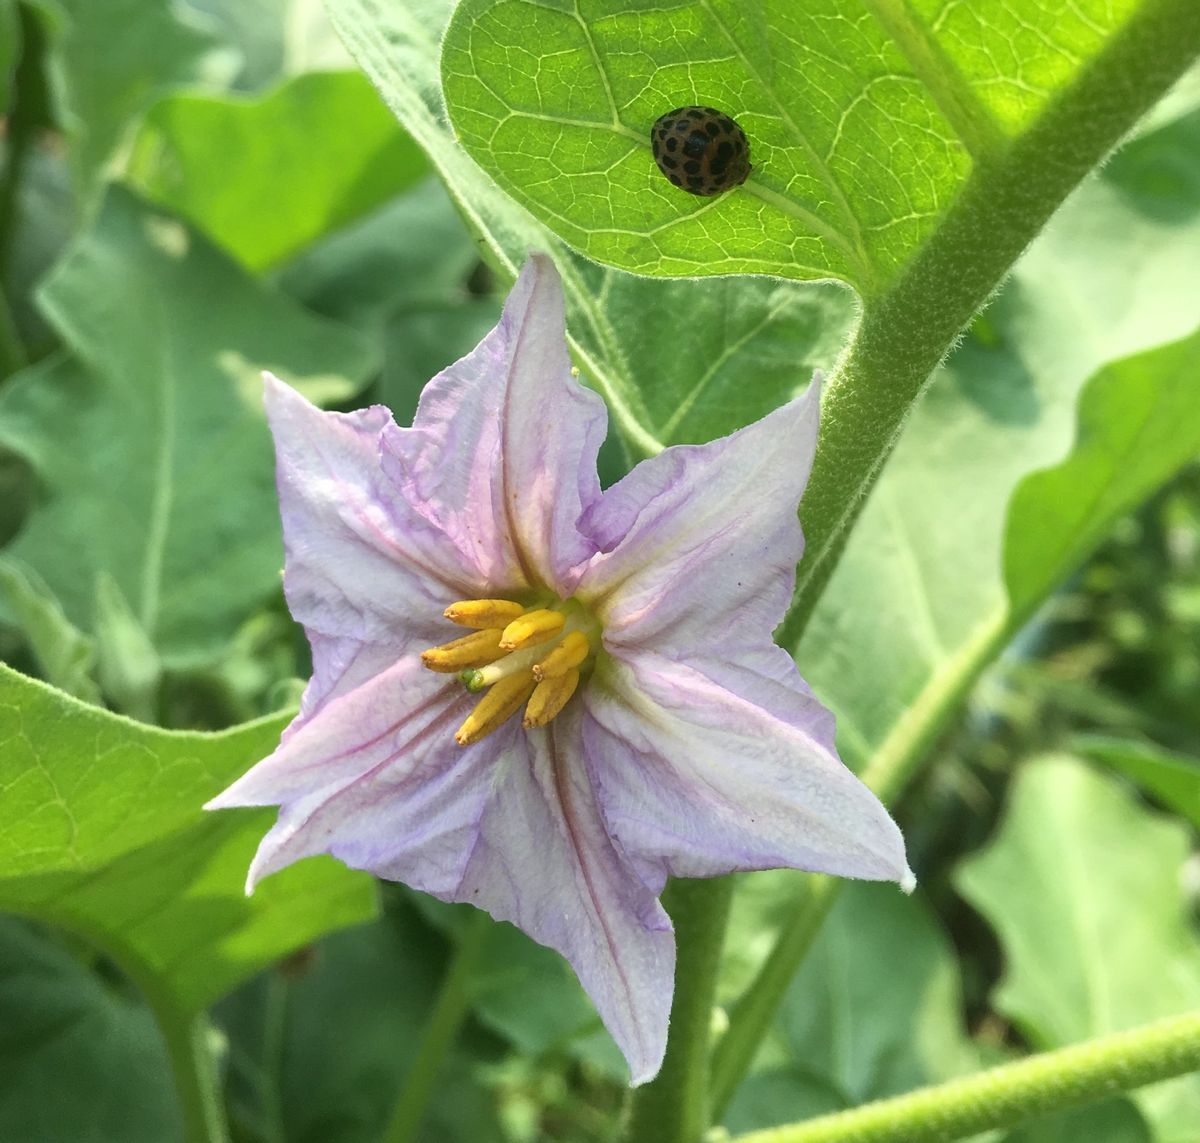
point(675, 1107)
point(907, 330)
point(440, 1032)
point(1013, 1093)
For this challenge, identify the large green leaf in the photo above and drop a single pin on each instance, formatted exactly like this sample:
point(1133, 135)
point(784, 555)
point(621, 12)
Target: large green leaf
point(1138, 423)
point(275, 38)
point(863, 124)
point(321, 150)
point(105, 836)
point(152, 450)
point(1083, 887)
point(113, 60)
point(320, 1051)
point(58, 1019)
point(556, 101)
point(671, 358)
point(859, 1022)
point(403, 273)
point(1174, 779)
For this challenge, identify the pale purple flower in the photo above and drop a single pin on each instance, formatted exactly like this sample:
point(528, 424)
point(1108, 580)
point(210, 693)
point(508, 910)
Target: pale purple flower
point(691, 747)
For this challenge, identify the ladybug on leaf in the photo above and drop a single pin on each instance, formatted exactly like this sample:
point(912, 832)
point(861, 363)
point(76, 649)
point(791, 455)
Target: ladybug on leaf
point(701, 150)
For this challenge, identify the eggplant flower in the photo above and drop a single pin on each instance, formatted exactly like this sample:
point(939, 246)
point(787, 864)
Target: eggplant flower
point(614, 711)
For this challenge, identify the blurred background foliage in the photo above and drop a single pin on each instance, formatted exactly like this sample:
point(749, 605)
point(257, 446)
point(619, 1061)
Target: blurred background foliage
point(193, 191)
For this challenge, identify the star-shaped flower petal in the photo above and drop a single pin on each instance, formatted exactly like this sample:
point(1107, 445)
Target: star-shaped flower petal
point(664, 734)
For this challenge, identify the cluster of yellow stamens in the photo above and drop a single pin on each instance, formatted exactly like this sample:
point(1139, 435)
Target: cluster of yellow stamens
point(523, 655)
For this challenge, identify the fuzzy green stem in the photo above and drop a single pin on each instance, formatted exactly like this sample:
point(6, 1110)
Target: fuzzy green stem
point(907, 330)
point(675, 1107)
point(440, 1032)
point(1006, 1096)
point(194, 1068)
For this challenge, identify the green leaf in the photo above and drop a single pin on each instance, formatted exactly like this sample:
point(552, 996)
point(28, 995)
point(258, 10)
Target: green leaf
point(1174, 779)
point(129, 667)
point(174, 915)
point(319, 1052)
point(1138, 425)
point(1111, 1121)
point(321, 149)
point(275, 38)
point(58, 1020)
point(556, 102)
point(64, 654)
point(527, 993)
point(859, 1022)
point(402, 273)
point(139, 445)
point(616, 322)
point(106, 837)
point(112, 61)
point(863, 126)
point(1082, 886)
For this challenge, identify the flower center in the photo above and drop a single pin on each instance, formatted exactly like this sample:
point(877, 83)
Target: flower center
point(522, 656)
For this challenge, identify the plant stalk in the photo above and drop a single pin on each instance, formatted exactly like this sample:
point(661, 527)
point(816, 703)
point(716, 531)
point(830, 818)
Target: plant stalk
point(441, 1030)
point(676, 1106)
point(194, 1068)
point(1008, 1095)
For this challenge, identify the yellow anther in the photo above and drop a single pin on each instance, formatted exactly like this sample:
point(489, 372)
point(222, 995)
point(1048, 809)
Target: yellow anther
point(569, 653)
point(549, 698)
point(482, 613)
point(499, 704)
point(474, 650)
point(532, 627)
